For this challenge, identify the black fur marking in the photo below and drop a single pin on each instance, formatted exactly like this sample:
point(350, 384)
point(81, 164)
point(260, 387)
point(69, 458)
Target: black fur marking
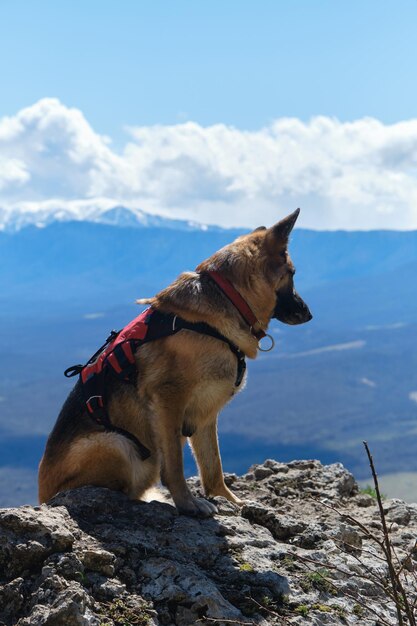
point(290, 308)
point(188, 430)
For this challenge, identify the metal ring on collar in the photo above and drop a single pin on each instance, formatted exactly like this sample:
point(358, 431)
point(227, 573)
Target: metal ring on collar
point(271, 347)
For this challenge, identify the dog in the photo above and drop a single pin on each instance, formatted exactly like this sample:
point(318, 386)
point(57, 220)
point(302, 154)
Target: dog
point(182, 380)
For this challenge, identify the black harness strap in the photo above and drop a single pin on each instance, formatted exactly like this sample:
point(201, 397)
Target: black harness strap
point(165, 324)
point(119, 362)
point(206, 329)
point(95, 394)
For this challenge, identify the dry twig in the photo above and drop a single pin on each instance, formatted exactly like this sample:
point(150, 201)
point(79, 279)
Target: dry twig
point(400, 595)
point(219, 620)
point(265, 608)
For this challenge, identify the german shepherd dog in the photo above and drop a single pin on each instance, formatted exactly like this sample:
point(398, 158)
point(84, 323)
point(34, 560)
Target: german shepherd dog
point(182, 380)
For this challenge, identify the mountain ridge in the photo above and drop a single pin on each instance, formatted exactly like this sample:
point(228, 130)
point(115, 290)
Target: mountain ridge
point(14, 220)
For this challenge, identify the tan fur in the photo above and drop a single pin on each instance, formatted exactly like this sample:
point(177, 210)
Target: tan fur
point(184, 378)
point(103, 459)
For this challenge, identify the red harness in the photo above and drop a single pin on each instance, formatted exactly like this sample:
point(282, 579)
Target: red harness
point(117, 356)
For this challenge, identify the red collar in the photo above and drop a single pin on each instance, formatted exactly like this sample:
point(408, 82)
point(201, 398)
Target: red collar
point(239, 302)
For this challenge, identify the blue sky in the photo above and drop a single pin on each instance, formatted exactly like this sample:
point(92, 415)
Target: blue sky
point(241, 62)
point(120, 68)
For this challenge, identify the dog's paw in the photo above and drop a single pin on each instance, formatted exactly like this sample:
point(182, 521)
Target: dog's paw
point(224, 492)
point(197, 507)
point(235, 500)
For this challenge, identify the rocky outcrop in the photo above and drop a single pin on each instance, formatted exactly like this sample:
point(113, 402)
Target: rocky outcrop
point(292, 555)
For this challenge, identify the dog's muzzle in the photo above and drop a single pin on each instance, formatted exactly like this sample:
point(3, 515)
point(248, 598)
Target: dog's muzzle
point(291, 309)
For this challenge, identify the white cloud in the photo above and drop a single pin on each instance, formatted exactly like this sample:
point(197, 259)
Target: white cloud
point(394, 326)
point(368, 382)
point(337, 347)
point(13, 173)
point(355, 175)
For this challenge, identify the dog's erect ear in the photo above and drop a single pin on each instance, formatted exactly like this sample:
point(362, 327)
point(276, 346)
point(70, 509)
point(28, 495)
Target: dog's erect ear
point(282, 230)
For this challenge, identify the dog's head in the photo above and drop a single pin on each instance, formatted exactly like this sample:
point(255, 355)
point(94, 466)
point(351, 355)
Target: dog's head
point(290, 308)
point(260, 267)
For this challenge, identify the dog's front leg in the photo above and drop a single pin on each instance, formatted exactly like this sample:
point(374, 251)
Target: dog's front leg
point(170, 441)
point(205, 446)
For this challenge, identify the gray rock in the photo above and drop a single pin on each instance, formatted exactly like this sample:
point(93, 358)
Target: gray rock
point(398, 512)
point(184, 586)
point(94, 557)
point(349, 538)
point(11, 598)
point(261, 472)
point(98, 560)
point(281, 526)
point(28, 535)
point(106, 588)
point(363, 500)
point(66, 608)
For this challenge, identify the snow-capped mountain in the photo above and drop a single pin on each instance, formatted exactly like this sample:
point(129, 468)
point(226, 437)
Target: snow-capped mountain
point(124, 217)
point(13, 220)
